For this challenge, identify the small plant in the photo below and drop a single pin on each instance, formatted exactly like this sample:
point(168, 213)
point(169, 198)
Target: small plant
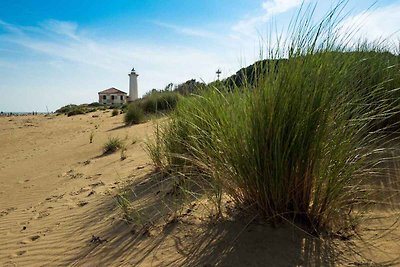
point(134, 115)
point(115, 112)
point(91, 137)
point(155, 150)
point(123, 152)
point(112, 145)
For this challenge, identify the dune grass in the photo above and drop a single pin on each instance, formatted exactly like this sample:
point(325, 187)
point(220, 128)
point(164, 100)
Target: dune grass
point(112, 145)
point(159, 102)
point(298, 143)
point(115, 112)
point(134, 114)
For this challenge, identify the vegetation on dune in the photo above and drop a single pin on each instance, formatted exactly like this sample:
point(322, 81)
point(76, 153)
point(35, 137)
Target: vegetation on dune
point(115, 112)
point(296, 140)
point(112, 145)
point(91, 137)
point(72, 110)
point(134, 115)
point(157, 102)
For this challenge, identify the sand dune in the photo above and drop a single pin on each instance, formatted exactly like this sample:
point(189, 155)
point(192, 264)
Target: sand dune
point(56, 190)
point(58, 207)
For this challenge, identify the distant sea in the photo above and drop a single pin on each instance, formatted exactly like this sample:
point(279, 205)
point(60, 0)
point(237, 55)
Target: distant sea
point(3, 113)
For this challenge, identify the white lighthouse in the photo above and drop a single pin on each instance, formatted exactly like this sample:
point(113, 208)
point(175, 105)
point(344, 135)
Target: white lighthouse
point(133, 85)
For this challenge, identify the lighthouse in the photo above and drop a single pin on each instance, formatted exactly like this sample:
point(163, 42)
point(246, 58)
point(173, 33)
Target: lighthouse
point(133, 85)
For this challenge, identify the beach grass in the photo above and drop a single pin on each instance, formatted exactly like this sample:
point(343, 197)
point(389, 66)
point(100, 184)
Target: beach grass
point(112, 145)
point(299, 140)
point(134, 114)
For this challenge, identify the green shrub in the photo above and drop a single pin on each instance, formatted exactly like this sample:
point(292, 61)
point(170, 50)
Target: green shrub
point(134, 115)
point(95, 104)
point(115, 112)
point(76, 111)
point(66, 109)
point(159, 102)
point(112, 145)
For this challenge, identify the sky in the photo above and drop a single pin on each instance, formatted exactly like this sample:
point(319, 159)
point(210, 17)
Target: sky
point(54, 53)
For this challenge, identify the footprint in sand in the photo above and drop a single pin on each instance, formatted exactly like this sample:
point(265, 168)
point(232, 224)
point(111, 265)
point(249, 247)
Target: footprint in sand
point(35, 237)
point(80, 191)
point(29, 240)
point(7, 211)
point(20, 253)
point(16, 254)
point(96, 176)
point(100, 183)
point(55, 198)
point(82, 203)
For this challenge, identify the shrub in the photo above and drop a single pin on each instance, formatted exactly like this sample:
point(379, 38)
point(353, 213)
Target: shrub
point(112, 145)
point(134, 115)
point(298, 144)
point(159, 102)
point(95, 104)
point(115, 112)
point(76, 111)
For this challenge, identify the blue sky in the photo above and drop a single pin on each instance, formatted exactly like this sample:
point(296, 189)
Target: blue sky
point(54, 53)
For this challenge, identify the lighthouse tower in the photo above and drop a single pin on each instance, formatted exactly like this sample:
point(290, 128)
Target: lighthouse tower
point(133, 85)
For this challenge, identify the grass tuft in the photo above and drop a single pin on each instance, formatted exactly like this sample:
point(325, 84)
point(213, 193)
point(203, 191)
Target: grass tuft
point(115, 112)
point(112, 145)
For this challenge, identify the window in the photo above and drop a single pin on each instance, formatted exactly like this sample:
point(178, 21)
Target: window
point(112, 97)
point(104, 97)
point(122, 97)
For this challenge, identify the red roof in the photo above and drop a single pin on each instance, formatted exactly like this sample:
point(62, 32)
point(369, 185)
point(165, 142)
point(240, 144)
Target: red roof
point(112, 90)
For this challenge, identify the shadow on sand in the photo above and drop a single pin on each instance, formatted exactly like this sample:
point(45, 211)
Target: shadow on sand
point(194, 241)
point(123, 126)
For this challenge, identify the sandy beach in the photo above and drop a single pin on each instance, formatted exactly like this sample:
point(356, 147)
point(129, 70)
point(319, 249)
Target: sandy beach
point(58, 207)
point(56, 187)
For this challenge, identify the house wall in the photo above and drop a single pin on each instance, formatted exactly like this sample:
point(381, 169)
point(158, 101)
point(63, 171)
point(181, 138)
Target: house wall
point(110, 101)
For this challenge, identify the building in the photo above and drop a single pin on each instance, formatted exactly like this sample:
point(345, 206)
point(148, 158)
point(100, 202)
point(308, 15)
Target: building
point(112, 96)
point(133, 85)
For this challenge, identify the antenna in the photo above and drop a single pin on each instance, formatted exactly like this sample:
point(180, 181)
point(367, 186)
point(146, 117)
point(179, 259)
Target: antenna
point(218, 73)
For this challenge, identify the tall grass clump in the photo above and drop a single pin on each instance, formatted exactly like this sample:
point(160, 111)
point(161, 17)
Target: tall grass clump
point(159, 102)
point(300, 141)
point(134, 115)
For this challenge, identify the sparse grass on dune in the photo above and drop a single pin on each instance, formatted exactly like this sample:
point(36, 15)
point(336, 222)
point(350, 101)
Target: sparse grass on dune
point(299, 142)
point(112, 145)
point(115, 112)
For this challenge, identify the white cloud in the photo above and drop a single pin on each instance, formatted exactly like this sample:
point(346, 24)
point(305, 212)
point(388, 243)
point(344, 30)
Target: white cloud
point(248, 26)
point(186, 30)
point(63, 28)
point(273, 7)
point(376, 24)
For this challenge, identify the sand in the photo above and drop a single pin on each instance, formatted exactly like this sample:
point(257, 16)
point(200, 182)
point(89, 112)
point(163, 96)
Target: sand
point(58, 206)
point(56, 189)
